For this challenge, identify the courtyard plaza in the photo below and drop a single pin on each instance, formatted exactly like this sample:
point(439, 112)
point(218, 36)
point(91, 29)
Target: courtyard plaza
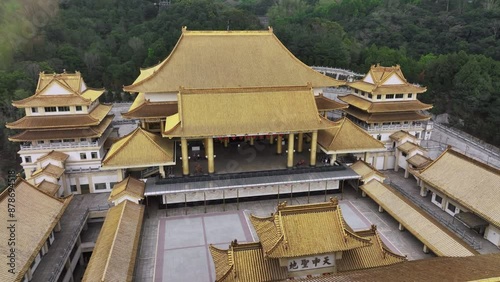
point(174, 243)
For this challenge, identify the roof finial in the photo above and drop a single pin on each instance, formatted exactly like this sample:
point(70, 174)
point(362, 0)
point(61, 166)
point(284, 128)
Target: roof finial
point(282, 205)
point(334, 201)
point(184, 28)
point(270, 28)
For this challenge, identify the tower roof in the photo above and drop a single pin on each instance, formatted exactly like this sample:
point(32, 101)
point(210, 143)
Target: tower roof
point(228, 59)
point(386, 80)
point(65, 89)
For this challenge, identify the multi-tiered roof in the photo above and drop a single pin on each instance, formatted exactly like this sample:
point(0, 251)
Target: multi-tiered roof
point(384, 95)
point(66, 92)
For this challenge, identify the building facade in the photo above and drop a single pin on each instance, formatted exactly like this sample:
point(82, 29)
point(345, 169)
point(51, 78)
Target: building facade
point(63, 134)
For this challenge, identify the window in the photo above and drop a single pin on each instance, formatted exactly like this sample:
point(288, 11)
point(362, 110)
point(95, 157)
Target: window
point(27, 159)
point(389, 96)
point(438, 198)
point(73, 188)
point(451, 207)
point(83, 139)
point(55, 141)
point(63, 109)
point(370, 95)
point(50, 109)
point(78, 108)
point(112, 184)
point(41, 141)
point(68, 140)
point(100, 186)
point(83, 156)
point(34, 110)
point(379, 97)
point(399, 96)
point(417, 134)
point(404, 154)
point(93, 155)
point(362, 93)
point(379, 137)
point(410, 95)
point(154, 125)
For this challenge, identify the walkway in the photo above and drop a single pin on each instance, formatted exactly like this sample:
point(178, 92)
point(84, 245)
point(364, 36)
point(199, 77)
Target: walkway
point(72, 223)
point(432, 234)
point(408, 188)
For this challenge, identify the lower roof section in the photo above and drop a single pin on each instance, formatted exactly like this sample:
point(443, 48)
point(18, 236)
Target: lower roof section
point(64, 133)
point(385, 117)
point(429, 231)
point(325, 104)
point(140, 148)
point(245, 111)
point(142, 108)
point(245, 180)
point(346, 137)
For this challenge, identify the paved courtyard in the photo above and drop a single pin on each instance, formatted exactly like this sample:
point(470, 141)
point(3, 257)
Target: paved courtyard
point(174, 243)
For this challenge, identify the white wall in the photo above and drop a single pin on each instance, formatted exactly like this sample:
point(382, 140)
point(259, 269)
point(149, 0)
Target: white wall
point(492, 234)
point(284, 191)
point(161, 97)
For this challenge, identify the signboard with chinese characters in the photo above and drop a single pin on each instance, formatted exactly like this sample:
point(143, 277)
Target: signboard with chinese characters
point(312, 262)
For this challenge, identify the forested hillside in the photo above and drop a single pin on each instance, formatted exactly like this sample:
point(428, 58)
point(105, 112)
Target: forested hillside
point(450, 46)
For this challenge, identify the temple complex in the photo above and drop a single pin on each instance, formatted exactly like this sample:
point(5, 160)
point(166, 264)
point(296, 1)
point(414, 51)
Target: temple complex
point(302, 241)
point(384, 102)
point(63, 135)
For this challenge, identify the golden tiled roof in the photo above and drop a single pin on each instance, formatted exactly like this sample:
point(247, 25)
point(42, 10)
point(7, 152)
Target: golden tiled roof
point(72, 83)
point(228, 59)
point(408, 147)
point(384, 107)
point(128, 186)
point(385, 117)
point(54, 155)
point(245, 263)
point(375, 255)
point(145, 109)
point(62, 121)
point(37, 213)
point(399, 135)
point(115, 250)
point(325, 104)
point(419, 161)
point(48, 187)
point(50, 170)
point(64, 133)
point(386, 80)
point(428, 230)
point(293, 231)
point(365, 170)
point(222, 112)
point(472, 184)
point(346, 137)
point(139, 148)
point(473, 268)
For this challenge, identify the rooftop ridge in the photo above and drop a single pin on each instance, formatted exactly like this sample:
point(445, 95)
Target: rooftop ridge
point(221, 90)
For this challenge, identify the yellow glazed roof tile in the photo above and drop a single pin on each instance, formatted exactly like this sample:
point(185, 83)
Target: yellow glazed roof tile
point(140, 148)
point(37, 213)
point(289, 232)
point(428, 230)
point(245, 111)
point(346, 137)
point(114, 255)
point(470, 183)
point(228, 59)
